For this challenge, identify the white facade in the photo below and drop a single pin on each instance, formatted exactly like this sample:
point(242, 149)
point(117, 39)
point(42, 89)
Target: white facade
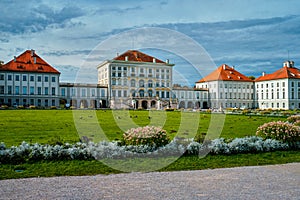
point(229, 94)
point(83, 95)
point(25, 88)
point(134, 84)
point(278, 94)
point(191, 97)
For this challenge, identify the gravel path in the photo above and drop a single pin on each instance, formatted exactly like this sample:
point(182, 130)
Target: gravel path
point(264, 182)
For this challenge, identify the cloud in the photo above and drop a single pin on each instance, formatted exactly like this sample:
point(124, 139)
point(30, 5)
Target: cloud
point(26, 17)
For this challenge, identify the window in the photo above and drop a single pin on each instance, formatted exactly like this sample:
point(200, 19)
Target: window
point(24, 78)
point(53, 79)
point(119, 74)
point(53, 102)
point(132, 83)
point(119, 68)
point(53, 90)
point(124, 68)
point(46, 79)
point(9, 77)
point(283, 84)
point(1, 77)
point(150, 93)
point(24, 90)
point(46, 90)
point(141, 83)
point(2, 89)
point(157, 84)
point(102, 92)
point(113, 68)
point(39, 79)
point(93, 92)
point(292, 84)
point(119, 93)
point(150, 71)
point(39, 90)
point(113, 74)
point(17, 77)
point(125, 93)
point(83, 92)
point(132, 69)
point(63, 91)
point(142, 70)
point(17, 90)
point(150, 83)
point(31, 90)
point(113, 82)
point(9, 89)
point(31, 78)
point(46, 102)
point(73, 91)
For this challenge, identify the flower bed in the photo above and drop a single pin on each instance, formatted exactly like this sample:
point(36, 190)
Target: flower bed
point(148, 135)
point(282, 131)
point(102, 150)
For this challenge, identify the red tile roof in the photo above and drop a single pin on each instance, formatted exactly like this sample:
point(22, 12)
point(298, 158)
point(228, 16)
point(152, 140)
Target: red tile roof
point(137, 56)
point(225, 73)
point(29, 61)
point(284, 72)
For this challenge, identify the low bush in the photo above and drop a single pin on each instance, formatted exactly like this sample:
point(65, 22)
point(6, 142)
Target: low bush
point(103, 150)
point(148, 135)
point(293, 118)
point(282, 131)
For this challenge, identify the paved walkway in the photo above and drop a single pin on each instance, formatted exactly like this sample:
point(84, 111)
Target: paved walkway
point(264, 182)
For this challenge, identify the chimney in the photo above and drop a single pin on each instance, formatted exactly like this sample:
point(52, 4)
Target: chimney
point(154, 60)
point(167, 61)
point(126, 58)
point(15, 59)
point(224, 66)
point(233, 67)
point(32, 52)
point(34, 60)
point(292, 63)
point(264, 73)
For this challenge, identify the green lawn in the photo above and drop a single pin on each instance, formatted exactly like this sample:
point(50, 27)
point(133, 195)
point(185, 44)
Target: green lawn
point(50, 126)
point(92, 167)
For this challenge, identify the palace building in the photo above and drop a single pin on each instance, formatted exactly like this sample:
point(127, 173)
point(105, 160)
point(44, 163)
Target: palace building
point(29, 80)
point(228, 88)
point(135, 80)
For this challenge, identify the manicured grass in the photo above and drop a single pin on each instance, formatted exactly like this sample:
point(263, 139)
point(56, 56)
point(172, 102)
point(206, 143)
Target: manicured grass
point(92, 167)
point(51, 126)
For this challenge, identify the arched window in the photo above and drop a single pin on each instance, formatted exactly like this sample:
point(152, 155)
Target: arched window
point(132, 83)
point(132, 92)
point(141, 92)
point(141, 83)
point(150, 93)
point(150, 83)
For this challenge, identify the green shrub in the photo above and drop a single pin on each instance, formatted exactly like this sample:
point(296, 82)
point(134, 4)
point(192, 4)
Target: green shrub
point(148, 135)
point(279, 131)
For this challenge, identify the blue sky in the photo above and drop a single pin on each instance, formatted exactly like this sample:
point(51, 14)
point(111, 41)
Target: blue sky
point(254, 36)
